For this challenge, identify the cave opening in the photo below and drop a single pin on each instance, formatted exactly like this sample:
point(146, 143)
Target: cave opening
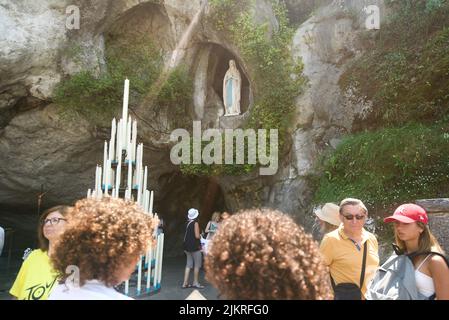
point(178, 194)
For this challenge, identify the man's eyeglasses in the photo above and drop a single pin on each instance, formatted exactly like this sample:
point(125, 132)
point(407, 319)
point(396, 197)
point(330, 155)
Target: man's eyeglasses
point(351, 217)
point(52, 221)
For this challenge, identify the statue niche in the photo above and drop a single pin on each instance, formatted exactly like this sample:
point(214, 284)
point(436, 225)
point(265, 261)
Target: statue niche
point(232, 90)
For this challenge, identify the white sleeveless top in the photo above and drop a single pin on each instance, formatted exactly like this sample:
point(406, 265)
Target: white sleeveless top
point(424, 283)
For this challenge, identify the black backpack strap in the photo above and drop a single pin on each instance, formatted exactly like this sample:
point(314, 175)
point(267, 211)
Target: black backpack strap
point(362, 275)
point(415, 254)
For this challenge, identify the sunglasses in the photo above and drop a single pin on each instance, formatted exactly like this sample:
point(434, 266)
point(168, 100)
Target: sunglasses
point(351, 217)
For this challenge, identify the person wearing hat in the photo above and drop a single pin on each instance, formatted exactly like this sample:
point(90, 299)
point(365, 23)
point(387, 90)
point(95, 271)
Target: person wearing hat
point(412, 235)
point(350, 252)
point(328, 217)
point(192, 249)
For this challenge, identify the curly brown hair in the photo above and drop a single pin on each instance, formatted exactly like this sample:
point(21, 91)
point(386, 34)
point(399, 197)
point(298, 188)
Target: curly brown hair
point(264, 254)
point(102, 237)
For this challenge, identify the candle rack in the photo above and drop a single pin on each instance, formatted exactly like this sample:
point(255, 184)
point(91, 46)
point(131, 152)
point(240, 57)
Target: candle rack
point(124, 176)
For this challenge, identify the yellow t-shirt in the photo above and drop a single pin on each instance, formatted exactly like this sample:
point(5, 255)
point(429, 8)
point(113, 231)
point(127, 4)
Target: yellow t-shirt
point(36, 278)
point(345, 260)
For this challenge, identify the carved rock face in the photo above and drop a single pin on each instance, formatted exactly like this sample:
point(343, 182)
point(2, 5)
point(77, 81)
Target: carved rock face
point(38, 146)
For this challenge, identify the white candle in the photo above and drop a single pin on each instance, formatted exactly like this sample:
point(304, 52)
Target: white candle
point(125, 100)
point(128, 140)
point(119, 140)
point(156, 269)
point(145, 178)
point(155, 263)
point(139, 187)
point(146, 201)
point(139, 275)
point(151, 203)
point(157, 218)
point(126, 287)
point(133, 141)
point(141, 156)
point(149, 256)
point(88, 193)
point(96, 179)
point(106, 182)
point(130, 174)
point(99, 191)
point(136, 181)
point(123, 133)
point(112, 142)
point(105, 158)
point(161, 250)
point(118, 177)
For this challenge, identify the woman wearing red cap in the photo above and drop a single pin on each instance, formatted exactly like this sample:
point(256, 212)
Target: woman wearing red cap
point(412, 234)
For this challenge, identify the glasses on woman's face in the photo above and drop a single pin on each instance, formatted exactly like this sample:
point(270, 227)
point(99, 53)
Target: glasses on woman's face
point(52, 221)
point(351, 216)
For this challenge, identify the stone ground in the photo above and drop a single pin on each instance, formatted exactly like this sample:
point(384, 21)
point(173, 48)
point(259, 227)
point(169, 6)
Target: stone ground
point(172, 277)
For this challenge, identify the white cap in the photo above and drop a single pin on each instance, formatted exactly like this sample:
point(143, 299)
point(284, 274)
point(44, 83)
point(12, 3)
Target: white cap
point(192, 214)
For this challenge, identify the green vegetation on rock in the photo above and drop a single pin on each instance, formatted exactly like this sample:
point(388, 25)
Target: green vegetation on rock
point(99, 98)
point(276, 77)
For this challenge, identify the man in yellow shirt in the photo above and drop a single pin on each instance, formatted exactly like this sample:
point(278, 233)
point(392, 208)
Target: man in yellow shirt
point(343, 249)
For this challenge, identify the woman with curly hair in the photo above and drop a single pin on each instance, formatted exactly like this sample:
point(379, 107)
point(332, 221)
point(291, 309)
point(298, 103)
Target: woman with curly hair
point(36, 277)
point(264, 254)
point(103, 240)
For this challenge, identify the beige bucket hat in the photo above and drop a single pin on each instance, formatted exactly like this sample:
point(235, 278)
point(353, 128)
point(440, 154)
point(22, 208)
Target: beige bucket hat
point(330, 213)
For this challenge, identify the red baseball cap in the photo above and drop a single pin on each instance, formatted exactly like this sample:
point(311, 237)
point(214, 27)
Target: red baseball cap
point(408, 213)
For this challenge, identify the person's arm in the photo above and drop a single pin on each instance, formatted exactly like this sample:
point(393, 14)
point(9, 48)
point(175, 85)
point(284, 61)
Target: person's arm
point(208, 227)
point(197, 231)
point(440, 275)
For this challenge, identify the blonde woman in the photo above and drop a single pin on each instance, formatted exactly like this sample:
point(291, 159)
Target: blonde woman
point(412, 235)
point(212, 225)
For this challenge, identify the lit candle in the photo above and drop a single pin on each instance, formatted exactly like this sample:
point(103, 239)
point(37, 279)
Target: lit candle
point(118, 177)
point(106, 182)
point(151, 203)
point(130, 172)
point(112, 141)
point(128, 139)
point(119, 140)
point(137, 166)
point(125, 101)
point(155, 263)
point(133, 141)
point(141, 156)
point(139, 276)
point(105, 158)
point(147, 201)
point(139, 187)
point(126, 287)
point(156, 218)
point(161, 250)
point(99, 191)
point(96, 180)
point(145, 178)
point(149, 257)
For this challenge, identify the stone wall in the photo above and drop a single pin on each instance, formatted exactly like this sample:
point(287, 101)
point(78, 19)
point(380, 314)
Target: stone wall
point(438, 212)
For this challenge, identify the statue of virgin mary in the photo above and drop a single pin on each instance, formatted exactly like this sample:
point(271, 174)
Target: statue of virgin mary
point(231, 90)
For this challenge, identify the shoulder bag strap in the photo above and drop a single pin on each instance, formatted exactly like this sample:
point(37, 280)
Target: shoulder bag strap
point(362, 276)
point(187, 228)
